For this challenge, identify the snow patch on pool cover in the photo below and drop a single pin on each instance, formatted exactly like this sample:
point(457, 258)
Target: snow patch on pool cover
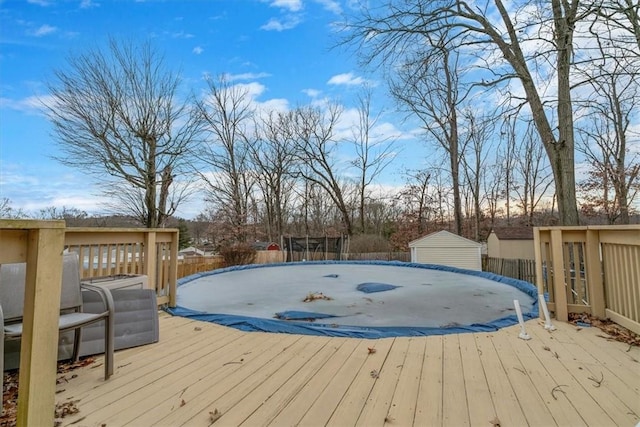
point(349, 320)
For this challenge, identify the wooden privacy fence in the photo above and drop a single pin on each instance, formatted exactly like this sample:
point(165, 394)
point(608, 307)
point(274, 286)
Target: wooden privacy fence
point(521, 269)
point(193, 265)
point(378, 256)
point(110, 251)
point(591, 269)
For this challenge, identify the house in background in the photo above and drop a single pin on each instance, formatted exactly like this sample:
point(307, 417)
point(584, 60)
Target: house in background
point(511, 243)
point(191, 252)
point(265, 246)
point(445, 248)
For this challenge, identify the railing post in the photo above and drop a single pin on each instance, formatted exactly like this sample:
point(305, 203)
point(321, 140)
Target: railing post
point(173, 268)
point(538, 266)
point(150, 258)
point(559, 285)
point(593, 268)
point(40, 245)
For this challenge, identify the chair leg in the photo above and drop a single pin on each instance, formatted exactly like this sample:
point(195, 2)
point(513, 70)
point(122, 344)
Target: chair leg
point(109, 329)
point(1, 351)
point(2, 362)
point(77, 339)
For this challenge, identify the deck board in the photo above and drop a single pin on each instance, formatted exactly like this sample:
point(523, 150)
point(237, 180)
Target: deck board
point(455, 410)
point(403, 406)
point(479, 403)
point(297, 406)
point(576, 364)
point(552, 355)
point(320, 411)
point(561, 409)
point(507, 405)
point(280, 379)
point(384, 381)
point(429, 401)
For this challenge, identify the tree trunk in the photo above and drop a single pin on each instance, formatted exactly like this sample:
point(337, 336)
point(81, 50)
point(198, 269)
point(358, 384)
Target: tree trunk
point(563, 161)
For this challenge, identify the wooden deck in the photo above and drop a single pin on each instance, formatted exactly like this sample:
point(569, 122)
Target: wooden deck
point(569, 377)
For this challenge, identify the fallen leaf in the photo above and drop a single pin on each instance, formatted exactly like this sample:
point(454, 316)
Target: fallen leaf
point(214, 415)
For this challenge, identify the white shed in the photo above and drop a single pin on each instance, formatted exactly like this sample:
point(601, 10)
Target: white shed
point(446, 248)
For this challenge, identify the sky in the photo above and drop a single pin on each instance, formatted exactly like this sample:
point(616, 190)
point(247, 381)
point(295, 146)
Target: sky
point(283, 49)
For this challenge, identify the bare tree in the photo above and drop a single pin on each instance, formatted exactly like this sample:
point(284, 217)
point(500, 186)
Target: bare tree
point(622, 19)
point(427, 86)
point(476, 146)
point(533, 174)
point(6, 211)
point(115, 115)
point(273, 158)
point(66, 213)
point(507, 159)
point(225, 114)
point(494, 190)
point(373, 152)
point(499, 38)
point(416, 200)
point(613, 179)
point(610, 113)
point(315, 149)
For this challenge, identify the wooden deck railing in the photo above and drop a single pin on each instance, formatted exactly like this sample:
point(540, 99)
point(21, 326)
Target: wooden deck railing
point(39, 244)
point(591, 269)
point(107, 251)
point(153, 252)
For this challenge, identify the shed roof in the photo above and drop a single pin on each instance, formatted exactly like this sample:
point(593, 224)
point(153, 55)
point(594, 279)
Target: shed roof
point(513, 233)
point(444, 234)
point(191, 250)
point(262, 246)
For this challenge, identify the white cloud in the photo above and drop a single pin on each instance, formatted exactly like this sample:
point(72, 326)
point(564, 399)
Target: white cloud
point(39, 2)
point(253, 89)
point(30, 105)
point(288, 23)
point(346, 79)
point(246, 76)
point(198, 50)
point(292, 5)
point(44, 30)
point(276, 104)
point(87, 4)
point(312, 93)
point(182, 35)
point(331, 5)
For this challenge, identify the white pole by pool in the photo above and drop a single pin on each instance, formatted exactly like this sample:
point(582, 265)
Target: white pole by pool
point(547, 318)
point(523, 332)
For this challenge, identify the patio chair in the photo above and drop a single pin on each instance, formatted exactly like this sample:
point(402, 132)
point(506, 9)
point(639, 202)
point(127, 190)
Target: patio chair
point(72, 317)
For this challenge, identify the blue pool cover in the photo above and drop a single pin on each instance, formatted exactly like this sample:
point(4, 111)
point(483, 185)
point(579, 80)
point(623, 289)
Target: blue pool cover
point(319, 323)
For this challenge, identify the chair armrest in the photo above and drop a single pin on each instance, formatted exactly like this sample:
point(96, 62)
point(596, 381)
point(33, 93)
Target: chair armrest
point(105, 295)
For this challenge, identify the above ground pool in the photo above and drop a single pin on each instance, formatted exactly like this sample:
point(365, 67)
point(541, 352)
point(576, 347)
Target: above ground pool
point(357, 299)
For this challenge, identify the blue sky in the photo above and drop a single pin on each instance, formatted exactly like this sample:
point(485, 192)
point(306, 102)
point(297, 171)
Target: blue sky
point(282, 48)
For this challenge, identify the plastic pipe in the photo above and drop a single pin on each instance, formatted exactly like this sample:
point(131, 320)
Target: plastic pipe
point(523, 332)
point(547, 318)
